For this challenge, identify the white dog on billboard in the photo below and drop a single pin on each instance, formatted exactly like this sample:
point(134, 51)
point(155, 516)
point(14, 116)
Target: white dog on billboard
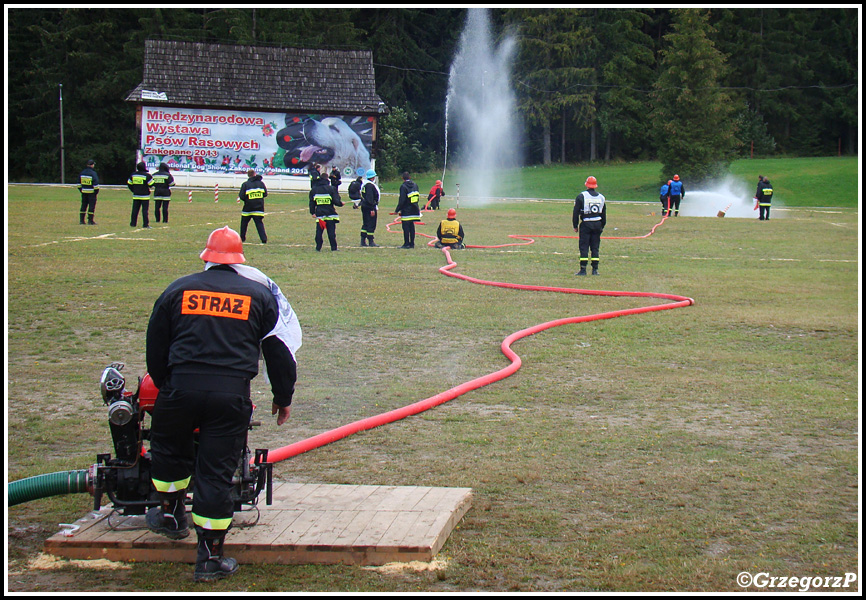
point(329, 142)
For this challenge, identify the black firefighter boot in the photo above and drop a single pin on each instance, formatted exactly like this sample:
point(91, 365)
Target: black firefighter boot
point(169, 519)
point(363, 239)
point(372, 243)
point(210, 564)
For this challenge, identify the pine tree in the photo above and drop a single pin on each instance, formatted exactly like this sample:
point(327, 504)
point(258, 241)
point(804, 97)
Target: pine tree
point(554, 79)
point(693, 125)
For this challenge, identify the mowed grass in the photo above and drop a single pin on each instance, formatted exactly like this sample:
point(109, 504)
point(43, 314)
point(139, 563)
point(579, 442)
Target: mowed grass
point(796, 181)
point(662, 452)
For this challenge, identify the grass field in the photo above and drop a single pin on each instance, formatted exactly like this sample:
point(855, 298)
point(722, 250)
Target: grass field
point(795, 180)
point(669, 451)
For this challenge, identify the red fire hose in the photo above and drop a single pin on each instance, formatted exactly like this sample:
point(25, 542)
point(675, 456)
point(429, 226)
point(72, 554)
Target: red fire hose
point(339, 433)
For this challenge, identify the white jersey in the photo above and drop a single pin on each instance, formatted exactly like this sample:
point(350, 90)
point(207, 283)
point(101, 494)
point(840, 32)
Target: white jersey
point(592, 207)
point(287, 329)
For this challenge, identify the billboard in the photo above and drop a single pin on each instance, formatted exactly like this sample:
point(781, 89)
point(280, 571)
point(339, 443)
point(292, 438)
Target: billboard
point(203, 140)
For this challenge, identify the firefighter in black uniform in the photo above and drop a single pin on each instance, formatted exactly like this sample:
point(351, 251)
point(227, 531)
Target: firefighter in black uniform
point(355, 192)
point(764, 196)
point(369, 210)
point(323, 200)
point(163, 180)
point(204, 338)
point(589, 218)
point(253, 193)
point(335, 178)
point(409, 209)
point(88, 185)
point(450, 232)
point(140, 183)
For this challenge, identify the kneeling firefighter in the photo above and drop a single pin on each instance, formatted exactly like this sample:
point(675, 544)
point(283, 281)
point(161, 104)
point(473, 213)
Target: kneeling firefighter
point(204, 339)
point(450, 232)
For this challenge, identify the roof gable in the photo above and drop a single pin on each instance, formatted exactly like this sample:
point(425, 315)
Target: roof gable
point(258, 77)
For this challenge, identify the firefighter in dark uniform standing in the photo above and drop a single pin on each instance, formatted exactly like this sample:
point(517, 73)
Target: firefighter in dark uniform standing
point(450, 232)
point(678, 192)
point(764, 196)
point(163, 180)
point(409, 209)
point(589, 218)
point(323, 200)
point(88, 185)
point(253, 193)
point(204, 339)
point(369, 210)
point(140, 183)
point(335, 178)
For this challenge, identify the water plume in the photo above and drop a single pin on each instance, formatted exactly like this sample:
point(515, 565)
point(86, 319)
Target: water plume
point(481, 110)
point(733, 197)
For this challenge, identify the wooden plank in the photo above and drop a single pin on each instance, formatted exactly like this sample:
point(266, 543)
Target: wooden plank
point(306, 524)
point(376, 528)
point(350, 533)
point(399, 529)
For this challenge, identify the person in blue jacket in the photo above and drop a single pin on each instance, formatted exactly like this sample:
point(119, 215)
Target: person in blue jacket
point(678, 192)
point(665, 197)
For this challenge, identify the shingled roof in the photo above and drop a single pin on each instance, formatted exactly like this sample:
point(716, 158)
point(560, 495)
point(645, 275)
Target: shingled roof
point(258, 78)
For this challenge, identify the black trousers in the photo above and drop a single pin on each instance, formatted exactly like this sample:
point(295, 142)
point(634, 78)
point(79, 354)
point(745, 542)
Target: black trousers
point(675, 204)
point(666, 202)
point(763, 212)
point(331, 228)
point(408, 233)
point(260, 227)
point(161, 207)
point(88, 206)
point(368, 222)
point(144, 207)
point(589, 240)
point(219, 407)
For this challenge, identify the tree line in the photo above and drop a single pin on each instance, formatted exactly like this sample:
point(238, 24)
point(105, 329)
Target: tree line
point(697, 85)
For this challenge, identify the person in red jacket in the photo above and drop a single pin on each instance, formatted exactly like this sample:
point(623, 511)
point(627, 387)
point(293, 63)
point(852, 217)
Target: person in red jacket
point(435, 196)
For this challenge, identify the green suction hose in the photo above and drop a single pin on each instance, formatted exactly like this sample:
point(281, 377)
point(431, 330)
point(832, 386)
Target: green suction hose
point(50, 484)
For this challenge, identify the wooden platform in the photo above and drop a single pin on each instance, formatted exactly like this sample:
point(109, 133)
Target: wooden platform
point(306, 524)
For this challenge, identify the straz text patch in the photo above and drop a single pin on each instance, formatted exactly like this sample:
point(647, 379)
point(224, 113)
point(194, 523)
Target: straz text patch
point(216, 304)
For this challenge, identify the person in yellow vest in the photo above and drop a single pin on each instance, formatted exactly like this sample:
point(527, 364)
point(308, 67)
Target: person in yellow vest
point(409, 210)
point(253, 193)
point(88, 185)
point(450, 232)
point(163, 181)
point(140, 183)
point(323, 202)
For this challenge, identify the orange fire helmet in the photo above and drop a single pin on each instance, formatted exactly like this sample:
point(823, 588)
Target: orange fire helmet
point(224, 247)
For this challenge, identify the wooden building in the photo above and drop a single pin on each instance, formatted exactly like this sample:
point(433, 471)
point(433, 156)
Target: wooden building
point(212, 111)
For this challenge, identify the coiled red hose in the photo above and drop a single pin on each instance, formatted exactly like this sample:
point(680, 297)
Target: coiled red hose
point(339, 433)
